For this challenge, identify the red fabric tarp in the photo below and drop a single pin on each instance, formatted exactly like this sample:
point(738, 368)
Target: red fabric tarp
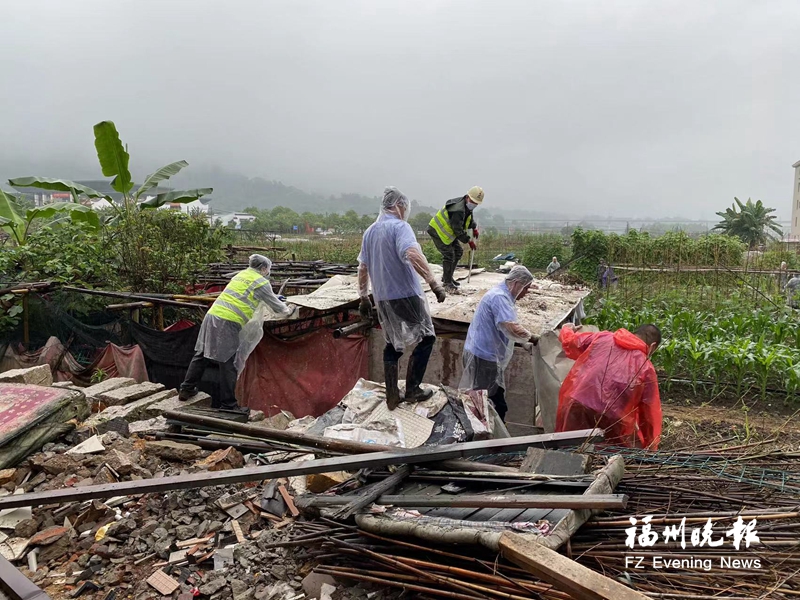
point(115, 361)
point(121, 361)
point(305, 376)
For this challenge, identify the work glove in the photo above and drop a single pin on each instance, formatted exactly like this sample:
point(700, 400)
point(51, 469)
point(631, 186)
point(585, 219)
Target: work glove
point(472, 245)
point(475, 233)
point(282, 298)
point(365, 309)
point(438, 290)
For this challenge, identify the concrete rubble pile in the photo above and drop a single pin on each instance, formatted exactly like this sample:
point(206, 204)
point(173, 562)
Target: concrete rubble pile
point(263, 537)
point(213, 542)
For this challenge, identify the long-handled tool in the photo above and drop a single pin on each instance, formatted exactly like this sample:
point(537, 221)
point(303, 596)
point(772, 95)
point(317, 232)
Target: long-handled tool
point(471, 259)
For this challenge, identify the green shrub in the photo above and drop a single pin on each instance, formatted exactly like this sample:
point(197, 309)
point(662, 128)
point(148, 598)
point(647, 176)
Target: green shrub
point(160, 251)
point(541, 248)
point(69, 252)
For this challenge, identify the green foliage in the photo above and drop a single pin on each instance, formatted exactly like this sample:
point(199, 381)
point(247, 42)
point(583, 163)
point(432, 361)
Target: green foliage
point(72, 253)
point(113, 156)
point(673, 249)
point(283, 220)
point(734, 349)
point(419, 221)
point(98, 376)
point(772, 259)
point(161, 251)
point(181, 197)
point(10, 312)
point(540, 250)
point(751, 222)
point(162, 174)
point(588, 249)
point(56, 185)
point(17, 221)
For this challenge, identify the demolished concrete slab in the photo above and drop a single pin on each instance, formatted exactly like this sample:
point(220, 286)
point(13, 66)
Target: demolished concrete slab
point(39, 375)
point(127, 394)
point(172, 403)
point(134, 411)
point(149, 426)
point(94, 391)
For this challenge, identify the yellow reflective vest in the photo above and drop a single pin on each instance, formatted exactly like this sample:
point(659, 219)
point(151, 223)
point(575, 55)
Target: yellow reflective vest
point(441, 224)
point(237, 302)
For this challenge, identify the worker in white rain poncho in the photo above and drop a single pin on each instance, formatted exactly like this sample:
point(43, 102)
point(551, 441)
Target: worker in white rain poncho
point(491, 336)
point(218, 342)
point(792, 288)
point(391, 258)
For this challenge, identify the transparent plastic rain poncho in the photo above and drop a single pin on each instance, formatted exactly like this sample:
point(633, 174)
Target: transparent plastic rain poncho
point(389, 252)
point(493, 332)
point(220, 340)
point(253, 330)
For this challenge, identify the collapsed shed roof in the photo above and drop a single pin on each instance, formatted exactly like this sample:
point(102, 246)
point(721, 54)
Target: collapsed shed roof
point(547, 305)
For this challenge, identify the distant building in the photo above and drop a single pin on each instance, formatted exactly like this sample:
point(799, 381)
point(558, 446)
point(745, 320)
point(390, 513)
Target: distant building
point(236, 218)
point(795, 227)
point(195, 206)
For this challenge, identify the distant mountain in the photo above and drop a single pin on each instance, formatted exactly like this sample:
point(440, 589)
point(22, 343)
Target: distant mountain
point(234, 191)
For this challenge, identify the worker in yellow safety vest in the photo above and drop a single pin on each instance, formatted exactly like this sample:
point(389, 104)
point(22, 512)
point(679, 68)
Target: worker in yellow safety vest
point(449, 229)
point(218, 341)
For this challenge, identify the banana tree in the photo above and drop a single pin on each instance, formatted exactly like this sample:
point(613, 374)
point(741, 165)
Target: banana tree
point(17, 222)
point(114, 158)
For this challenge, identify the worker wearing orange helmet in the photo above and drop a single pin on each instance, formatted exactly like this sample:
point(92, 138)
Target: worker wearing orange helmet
point(450, 227)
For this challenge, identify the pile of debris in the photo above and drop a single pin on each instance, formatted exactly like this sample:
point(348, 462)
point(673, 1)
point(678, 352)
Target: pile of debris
point(151, 498)
point(215, 541)
point(227, 516)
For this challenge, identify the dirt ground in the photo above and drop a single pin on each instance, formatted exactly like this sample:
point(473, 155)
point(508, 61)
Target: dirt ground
point(688, 423)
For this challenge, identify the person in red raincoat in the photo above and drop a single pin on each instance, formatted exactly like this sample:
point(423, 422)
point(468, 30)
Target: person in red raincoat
point(612, 385)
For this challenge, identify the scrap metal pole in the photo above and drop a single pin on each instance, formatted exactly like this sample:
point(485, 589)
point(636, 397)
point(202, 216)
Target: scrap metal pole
point(308, 467)
point(16, 586)
point(315, 441)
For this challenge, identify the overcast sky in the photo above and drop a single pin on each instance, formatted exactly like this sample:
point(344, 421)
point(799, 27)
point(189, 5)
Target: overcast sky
point(625, 108)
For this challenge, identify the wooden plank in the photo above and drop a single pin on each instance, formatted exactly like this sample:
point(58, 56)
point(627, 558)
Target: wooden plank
point(565, 574)
point(459, 514)
point(533, 515)
point(600, 501)
point(485, 514)
point(291, 469)
point(237, 531)
point(424, 490)
point(372, 492)
point(508, 515)
point(287, 497)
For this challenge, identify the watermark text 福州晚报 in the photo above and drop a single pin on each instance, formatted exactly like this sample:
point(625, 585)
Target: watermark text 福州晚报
point(740, 535)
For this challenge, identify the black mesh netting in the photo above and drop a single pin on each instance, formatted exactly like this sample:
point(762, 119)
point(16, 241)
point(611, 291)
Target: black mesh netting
point(167, 355)
point(84, 336)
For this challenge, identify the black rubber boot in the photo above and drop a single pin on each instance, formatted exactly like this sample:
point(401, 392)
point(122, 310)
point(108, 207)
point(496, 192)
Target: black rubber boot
point(448, 268)
point(236, 408)
point(184, 395)
point(451, 284)
point(417, 364)
point(392, 392)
